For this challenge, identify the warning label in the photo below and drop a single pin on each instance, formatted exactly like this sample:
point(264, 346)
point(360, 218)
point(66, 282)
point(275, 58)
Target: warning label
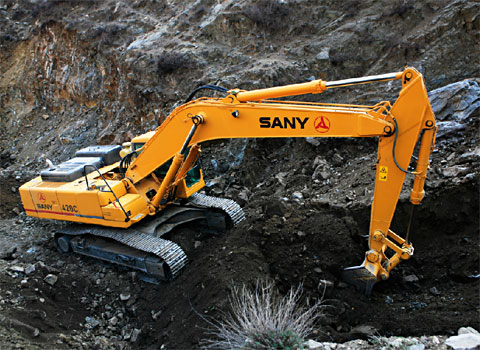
point(383, 173)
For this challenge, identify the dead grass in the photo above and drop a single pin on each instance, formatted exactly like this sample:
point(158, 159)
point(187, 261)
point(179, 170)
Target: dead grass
point(262, 319)
point(399, 8)
point(169, 62)
point(269, 14)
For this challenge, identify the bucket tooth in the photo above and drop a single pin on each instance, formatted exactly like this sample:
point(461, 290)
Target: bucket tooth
point(363, 277)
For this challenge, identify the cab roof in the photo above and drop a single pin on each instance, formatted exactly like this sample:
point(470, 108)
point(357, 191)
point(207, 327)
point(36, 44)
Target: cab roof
point(143, 138)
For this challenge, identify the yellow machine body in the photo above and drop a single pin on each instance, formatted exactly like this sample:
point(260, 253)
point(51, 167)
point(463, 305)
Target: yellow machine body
point(158, 175)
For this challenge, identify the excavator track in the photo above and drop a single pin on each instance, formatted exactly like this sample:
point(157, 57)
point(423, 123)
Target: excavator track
point(171, 259)
point(141, 249)
point(229, 206)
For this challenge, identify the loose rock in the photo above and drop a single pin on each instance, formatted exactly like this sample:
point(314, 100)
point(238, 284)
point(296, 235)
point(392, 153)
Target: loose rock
point(18, 269)
point(410, 279)
point(416, 347)
point(468, 341)
point(135, 334)
point(297, 195)
point(313, 345)
point(124, 297)
point(29, 269)
point(113, 321)
point(51, 279)
point(36, 332)
point(364, 331)
point(93, 322)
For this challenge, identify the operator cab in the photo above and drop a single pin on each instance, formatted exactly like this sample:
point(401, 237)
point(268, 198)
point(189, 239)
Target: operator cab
point(193, 176)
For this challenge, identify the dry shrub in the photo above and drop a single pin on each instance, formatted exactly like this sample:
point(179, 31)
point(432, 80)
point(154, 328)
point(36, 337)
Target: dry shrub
point(400, 8)
point(261, 319)
point(338, 58)
point(351, 7)
point(169, 62)
point(267, 13)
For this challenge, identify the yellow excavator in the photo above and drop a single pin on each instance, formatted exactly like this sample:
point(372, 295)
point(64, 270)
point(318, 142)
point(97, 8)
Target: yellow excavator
point(123, 205)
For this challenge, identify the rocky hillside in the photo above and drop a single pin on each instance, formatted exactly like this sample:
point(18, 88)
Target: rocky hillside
point(76, 73)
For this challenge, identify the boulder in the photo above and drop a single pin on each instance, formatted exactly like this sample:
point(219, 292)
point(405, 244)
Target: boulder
point(453, 105)
point(466, 341)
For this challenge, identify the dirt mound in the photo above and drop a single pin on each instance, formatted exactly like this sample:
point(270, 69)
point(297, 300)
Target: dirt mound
point(433, 293)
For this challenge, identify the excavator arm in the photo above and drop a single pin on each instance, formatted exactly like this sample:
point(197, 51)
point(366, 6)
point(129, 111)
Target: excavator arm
point(250, 114)
point(414, 124)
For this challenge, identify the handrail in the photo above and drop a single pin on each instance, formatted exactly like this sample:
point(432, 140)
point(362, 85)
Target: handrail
point(127, 218)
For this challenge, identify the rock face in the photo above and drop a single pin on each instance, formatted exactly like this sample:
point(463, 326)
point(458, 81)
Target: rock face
point(454, 106)
point(109, 70)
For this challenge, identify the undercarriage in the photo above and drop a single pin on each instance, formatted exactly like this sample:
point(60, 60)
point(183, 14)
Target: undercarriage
point(142, 247)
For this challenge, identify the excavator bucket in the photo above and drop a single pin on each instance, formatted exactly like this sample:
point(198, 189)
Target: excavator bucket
point(363, 277)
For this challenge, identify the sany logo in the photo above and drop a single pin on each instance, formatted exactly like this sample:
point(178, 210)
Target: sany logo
point(321, 124)
point(41, 197)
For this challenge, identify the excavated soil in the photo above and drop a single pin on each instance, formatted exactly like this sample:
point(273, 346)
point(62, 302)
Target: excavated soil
point(288, 241)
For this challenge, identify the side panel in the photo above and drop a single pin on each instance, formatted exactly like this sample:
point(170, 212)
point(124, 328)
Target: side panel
point(133, 204)
point(67, 203)
point(73, 202)
point(76, 199)
point(26, 197)
point(105, 197)
point(45, 200)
